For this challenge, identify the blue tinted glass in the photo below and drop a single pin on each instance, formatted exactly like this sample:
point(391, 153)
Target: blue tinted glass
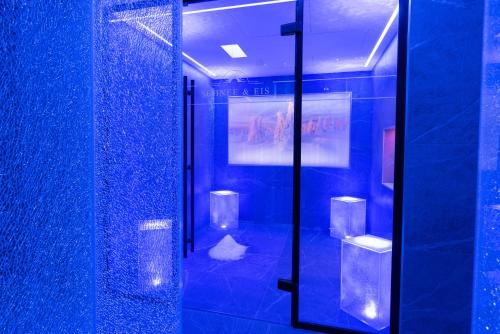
point(486, 311)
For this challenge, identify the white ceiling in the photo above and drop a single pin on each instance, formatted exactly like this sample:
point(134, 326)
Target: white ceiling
point(339, 36)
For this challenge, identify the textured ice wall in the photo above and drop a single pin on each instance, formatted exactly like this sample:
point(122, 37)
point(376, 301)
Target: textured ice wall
point(486, 312)
point(46, 227)
point(138, 165)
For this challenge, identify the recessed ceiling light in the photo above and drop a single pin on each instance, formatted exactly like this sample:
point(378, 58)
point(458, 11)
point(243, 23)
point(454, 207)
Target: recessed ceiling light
point(234, 51)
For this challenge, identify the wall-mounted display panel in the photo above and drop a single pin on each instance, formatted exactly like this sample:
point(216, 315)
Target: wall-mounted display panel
point(260, 130)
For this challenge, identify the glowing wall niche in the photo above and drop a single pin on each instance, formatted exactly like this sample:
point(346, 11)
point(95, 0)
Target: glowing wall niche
point(155, 254)
point(347, 217)
point(224, 209)
point(365, 290)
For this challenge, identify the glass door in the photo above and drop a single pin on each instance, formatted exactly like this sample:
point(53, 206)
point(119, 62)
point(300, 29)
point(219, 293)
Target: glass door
point(239, 136)
point(345, 212)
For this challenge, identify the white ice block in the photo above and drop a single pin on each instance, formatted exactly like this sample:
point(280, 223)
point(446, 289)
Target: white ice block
point(224, 209)
point(365, 286)
point(155, 254)
point(347, 217)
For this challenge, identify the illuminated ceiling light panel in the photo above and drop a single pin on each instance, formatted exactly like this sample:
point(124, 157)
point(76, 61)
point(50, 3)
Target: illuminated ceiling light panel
point(234, 51)
point(246, 5)
point(161, 38)
point(382, 36)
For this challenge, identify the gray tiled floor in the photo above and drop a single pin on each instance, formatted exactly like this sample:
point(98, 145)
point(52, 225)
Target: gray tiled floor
point(248, 288)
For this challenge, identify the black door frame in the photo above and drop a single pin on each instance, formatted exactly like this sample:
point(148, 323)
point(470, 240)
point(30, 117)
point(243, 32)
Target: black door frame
point(292, 285)
point(295, 28)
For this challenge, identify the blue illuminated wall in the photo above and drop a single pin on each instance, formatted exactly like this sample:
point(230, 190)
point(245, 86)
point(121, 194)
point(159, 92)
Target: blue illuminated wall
point(486, 310)
point(380, 201)
point(441, 154)
point(138, 171)
point(46, 223)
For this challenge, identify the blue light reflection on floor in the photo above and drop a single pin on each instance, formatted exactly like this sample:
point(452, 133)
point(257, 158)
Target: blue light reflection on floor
point(226, 291)
point(245, 288)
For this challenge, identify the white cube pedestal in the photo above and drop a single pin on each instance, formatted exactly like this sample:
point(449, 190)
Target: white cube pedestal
point(224, 209)
point(347, 217)
point(365, 290)
point(155, 254)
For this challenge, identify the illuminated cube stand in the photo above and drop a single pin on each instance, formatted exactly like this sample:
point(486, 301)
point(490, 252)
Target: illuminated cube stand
point(347, 217)
point(155, 254)
point(365, 286)
point(224, 209)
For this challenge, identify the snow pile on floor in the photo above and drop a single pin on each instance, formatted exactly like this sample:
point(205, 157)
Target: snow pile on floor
point(227, 250)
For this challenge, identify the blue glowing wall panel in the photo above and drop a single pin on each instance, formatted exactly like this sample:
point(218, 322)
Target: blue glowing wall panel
point(138, 148)
point(347, 217)
point(441, 154)
point(266, 191)
point(46, 224)
point(486, 312)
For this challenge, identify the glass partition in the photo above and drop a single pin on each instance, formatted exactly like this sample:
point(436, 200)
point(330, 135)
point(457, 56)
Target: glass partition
point(347, 174)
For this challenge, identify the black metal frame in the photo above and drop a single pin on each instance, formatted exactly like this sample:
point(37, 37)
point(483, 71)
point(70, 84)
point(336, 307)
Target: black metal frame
point(188, 168)
point(295, 28)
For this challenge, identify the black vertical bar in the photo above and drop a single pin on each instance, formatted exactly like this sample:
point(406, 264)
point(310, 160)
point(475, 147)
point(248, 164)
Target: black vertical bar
point(297, 157)
point(184, 169)
point(192, 164)
point(293, 285)
point(397, 230)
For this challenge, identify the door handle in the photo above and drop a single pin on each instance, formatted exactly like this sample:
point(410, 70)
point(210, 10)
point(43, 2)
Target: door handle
point(286, 285)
